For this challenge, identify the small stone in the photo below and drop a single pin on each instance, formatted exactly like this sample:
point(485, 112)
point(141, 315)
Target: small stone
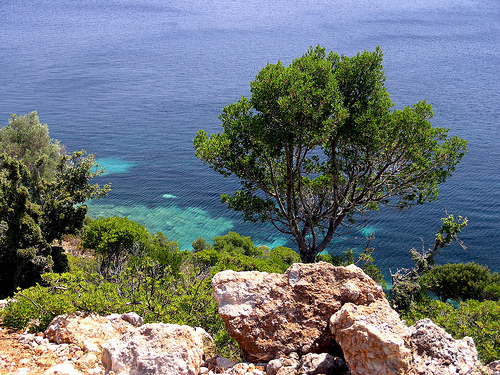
point(65, 368)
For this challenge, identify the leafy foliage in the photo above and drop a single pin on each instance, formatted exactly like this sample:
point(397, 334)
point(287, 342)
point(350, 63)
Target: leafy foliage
point(160, 283)
point(317, 144)
point(113, 239)
point(459, 282)
point(238, 253)
point(27, 140)
point(35, 211)
point(479, 320)
point(408, 287)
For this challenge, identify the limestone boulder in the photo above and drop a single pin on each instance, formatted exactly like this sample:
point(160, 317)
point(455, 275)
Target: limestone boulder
point(284, 365)
point(437, 352)
point(88, 331)
point(494, 367)
point(373, 338)
point(167, 349)
point(271, 314)
point(309, 364)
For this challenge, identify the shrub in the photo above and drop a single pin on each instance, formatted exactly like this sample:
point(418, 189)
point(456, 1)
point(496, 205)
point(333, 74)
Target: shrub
point(491, 292)
point(459, 281)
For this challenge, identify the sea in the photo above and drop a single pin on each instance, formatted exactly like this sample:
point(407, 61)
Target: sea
point(132, 81)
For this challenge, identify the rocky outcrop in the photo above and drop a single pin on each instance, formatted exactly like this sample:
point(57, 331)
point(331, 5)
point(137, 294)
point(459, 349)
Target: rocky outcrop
point(158, 348)
point(437, 352)
point(373, 339)
point(315, 319)
point(271, 314)
point(89, 331)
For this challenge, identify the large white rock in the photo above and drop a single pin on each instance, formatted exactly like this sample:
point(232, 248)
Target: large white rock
point(88, 331)
point(65, 368)
point(166, 349)
point(437, 352)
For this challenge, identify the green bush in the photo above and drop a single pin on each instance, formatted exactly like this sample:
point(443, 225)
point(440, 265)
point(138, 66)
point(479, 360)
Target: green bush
point(459, 282)
point(479, 320)
point(60, 294)
point(363, 260)
point(491, 292)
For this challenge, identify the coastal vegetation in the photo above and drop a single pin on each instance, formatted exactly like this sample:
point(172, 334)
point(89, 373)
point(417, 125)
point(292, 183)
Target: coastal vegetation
point(42, 194)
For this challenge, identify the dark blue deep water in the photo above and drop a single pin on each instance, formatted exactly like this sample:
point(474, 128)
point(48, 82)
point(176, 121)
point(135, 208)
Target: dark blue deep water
point(133, 80)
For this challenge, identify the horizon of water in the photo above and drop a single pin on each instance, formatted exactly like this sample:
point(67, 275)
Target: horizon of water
point(133, 81)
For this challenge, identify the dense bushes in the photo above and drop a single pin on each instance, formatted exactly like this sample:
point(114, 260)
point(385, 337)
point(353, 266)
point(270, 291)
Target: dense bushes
point(459, 282)
point(43, 192)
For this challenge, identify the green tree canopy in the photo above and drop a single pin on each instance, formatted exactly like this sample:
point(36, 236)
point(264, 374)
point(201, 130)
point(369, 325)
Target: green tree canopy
point(28, 141)
point(317, 144)
point(35, 211)
point(113, 239)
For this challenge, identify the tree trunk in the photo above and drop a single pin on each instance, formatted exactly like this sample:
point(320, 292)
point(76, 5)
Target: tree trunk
point(307, 255)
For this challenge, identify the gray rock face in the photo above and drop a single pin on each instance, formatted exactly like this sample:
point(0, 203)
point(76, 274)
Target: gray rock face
point(437, 352)
point(271, 314)
point(309, 364)
point(166, 349)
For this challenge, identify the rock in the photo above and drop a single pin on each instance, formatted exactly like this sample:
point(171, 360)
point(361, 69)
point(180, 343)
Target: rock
point(220, 364)
point(324, 363)
point(373, 339)
point(282, 366)
point(494, 367)
point(270, 314)
point(89, 331)
point(65, 368)
point(437, 352)
point(88, 360)
point(158, 348)
point(209, 349)
point(3, 303)
point(309, 364)
point(22, 371)
point(131, 317)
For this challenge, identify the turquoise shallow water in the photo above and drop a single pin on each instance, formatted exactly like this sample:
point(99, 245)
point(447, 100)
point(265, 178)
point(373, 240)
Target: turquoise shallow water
point(132, 82)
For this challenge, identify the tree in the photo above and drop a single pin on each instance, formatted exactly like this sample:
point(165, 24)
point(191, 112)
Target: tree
point(28, 141)
point(113, 240)
point(317, 146)
point(458, 281)
point(34, 212)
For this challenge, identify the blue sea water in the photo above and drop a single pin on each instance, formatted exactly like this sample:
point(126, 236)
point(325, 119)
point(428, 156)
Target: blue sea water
point(131, 81)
